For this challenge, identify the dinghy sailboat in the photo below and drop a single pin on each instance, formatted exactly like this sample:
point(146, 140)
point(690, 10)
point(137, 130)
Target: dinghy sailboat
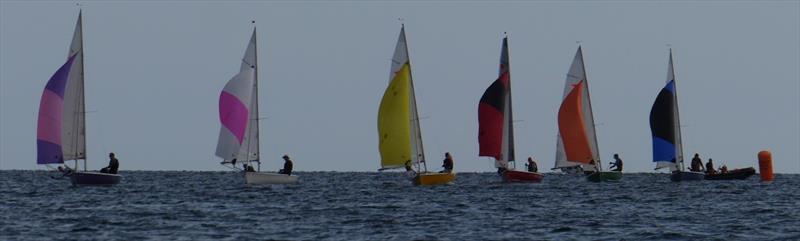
point(61, 131)
point(399, 133)
point(577, 140)
point(238, 113)
point(666, 130)
point(496, 127)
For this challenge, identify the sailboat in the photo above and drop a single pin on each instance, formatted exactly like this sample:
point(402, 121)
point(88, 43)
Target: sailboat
point(666, 130)
point(496, 127)
point(399, 133)
point(238, 113)
point(61, 127)
point(577, 139)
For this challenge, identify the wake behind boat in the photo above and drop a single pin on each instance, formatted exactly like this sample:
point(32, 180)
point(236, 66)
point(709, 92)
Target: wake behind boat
point(496, 126)
point(239, 134)
point(61, 130)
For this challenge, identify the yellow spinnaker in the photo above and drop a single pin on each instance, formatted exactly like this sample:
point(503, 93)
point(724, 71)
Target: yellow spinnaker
point(394, 121)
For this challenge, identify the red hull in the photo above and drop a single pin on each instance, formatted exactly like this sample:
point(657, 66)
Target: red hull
point(520, 176)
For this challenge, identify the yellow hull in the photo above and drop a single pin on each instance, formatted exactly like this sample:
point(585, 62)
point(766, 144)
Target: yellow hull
point(432, 178)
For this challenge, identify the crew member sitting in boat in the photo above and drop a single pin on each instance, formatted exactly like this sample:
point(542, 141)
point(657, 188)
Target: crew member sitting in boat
point(723, 169)
point(697, 164)
point(113, 165)
point(532, 167)
point(710, 167)
point(65, 170)
point(447, 163)
point(287, 166)
point(595, 168)
point(248, 168)
point(617, 164)
point(410, 173)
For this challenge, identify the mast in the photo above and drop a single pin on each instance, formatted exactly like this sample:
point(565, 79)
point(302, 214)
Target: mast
point(679, 139)
point(416, 131)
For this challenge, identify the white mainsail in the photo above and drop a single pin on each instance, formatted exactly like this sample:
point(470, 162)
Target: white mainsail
point(577, 72)
point(250, 146)
point(73, 131)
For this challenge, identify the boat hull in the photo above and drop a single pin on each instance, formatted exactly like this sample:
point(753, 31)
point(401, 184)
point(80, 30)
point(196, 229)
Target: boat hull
point(679, 176)
point(604, 176)
point(521, 176)
point(736, 174)
point(264, 178)
point(432, 178)
point(94, 179)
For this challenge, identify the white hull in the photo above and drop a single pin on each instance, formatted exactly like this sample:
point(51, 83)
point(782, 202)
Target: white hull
point(268, 178)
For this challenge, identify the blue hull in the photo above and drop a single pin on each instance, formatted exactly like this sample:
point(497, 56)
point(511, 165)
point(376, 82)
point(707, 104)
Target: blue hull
point(94, 178)
point(686, 176)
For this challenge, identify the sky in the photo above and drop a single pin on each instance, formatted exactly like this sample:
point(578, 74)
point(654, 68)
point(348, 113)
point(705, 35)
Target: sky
point(154, 71)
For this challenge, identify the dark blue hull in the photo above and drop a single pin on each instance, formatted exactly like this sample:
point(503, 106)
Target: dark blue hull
point(678, 176)
point(94, 178)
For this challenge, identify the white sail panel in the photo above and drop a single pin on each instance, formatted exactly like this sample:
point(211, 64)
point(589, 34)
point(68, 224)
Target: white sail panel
point(234, 114)
point(250, 146)
point(73, 132)
point(400, 56)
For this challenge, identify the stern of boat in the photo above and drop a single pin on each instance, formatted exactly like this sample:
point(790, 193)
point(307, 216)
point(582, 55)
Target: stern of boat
point(94, 179)
point(264, 178)
point(432, 178)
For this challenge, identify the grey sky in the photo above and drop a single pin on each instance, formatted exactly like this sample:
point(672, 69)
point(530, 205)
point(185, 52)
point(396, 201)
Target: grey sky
point(154, 71)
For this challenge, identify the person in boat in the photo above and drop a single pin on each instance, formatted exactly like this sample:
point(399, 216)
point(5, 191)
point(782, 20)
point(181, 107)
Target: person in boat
point(595, 168)
point(447, 163)
point(723, 169)
point(410, 173)
point(248, 168)
point(65, 170)
point(532, 167)
point(697, 164)
point(710, 167)
point(287, 166)
point(113, 165)
point(617, 164)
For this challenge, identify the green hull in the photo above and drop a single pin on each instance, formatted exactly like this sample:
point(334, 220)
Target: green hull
point(604, 176)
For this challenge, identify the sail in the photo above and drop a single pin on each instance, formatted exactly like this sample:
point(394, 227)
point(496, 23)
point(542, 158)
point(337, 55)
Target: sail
point(571, 127)
point(234, 114)
point(495, 126)
point(665, 125)
point(48, 132)
point(576, 74)
point(250, 145)
point(73, 131)
point(394, 129)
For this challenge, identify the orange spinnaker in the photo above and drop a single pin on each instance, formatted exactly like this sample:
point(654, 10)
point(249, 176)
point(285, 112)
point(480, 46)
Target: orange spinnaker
point(572, 128)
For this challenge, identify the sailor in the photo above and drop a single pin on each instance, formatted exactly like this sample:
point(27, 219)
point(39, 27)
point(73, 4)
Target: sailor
point(595, 166)
point(410, 173)
point(723, 169)
point(617, 164)
point(710, 167)
point(697, 164)
point(532, 167)
point(113, 165)
point(447, 163)
point(287, 166)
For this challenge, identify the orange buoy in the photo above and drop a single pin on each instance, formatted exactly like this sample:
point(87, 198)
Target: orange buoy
point(765, 166)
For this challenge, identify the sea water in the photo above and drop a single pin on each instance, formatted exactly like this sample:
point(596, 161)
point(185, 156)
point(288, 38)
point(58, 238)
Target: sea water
point(170, 205)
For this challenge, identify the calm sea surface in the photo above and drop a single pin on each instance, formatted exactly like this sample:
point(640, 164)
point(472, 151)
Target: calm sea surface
point(384, 206)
